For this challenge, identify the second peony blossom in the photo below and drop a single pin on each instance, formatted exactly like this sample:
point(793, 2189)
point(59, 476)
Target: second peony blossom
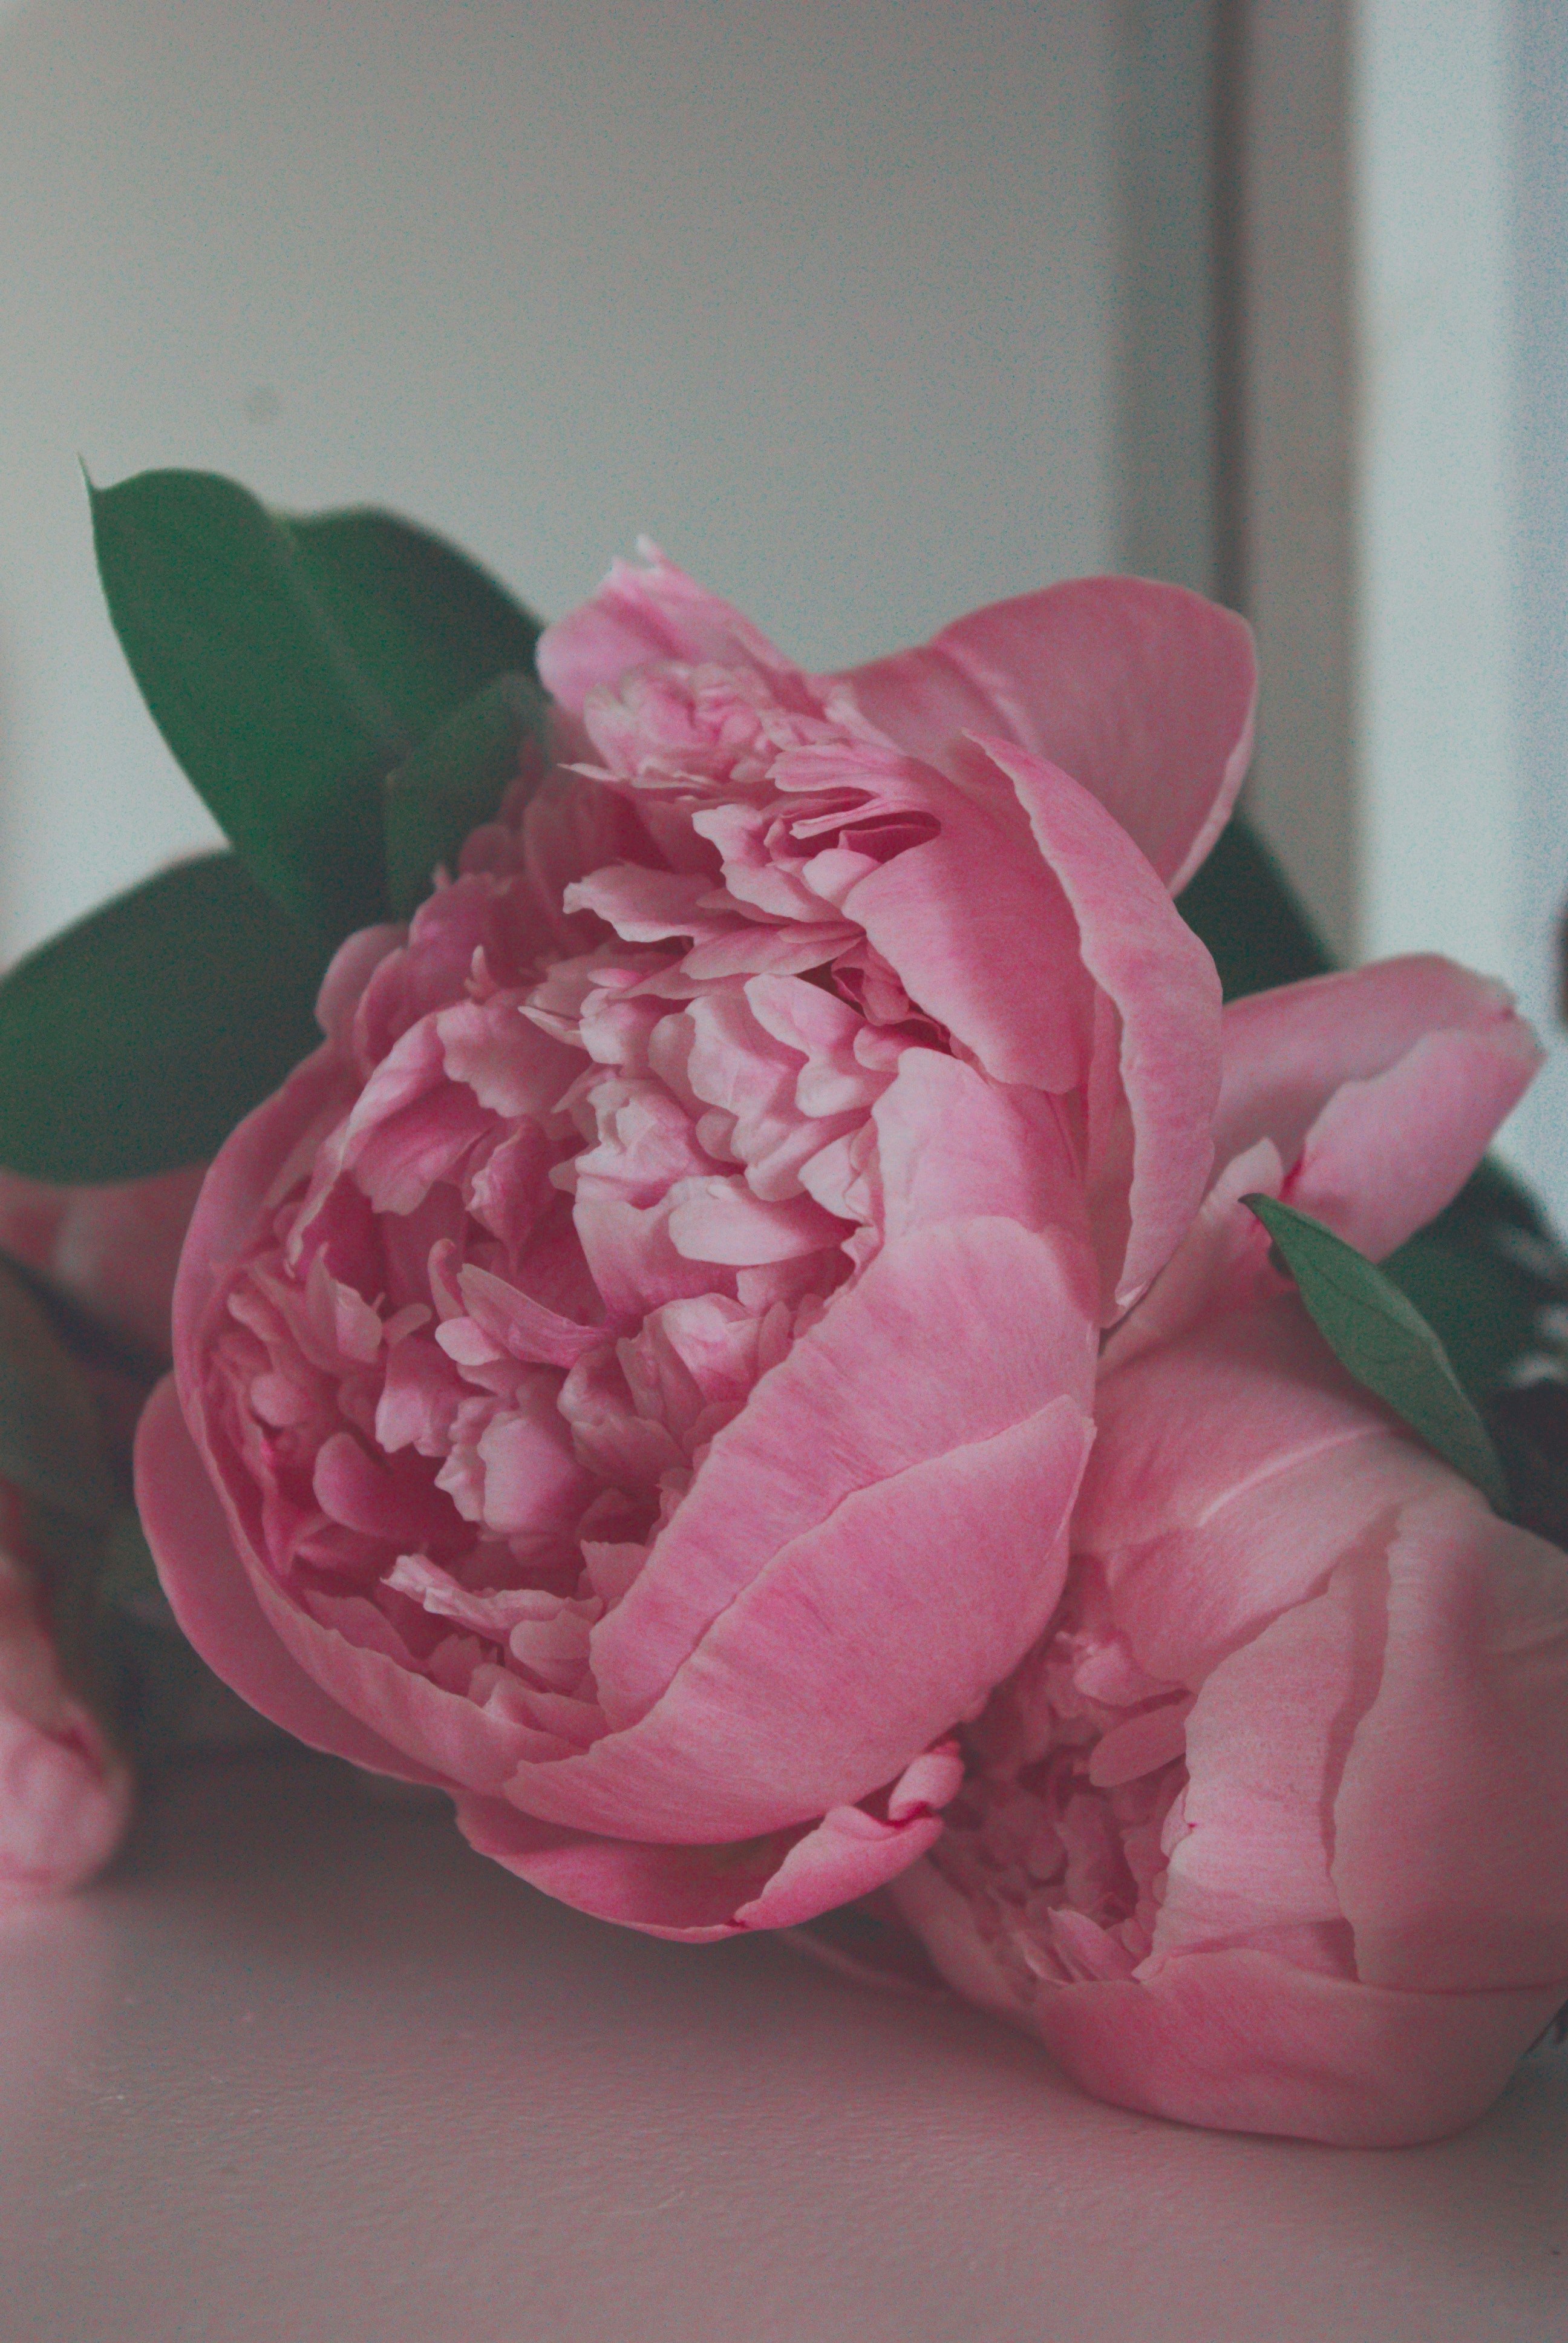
point(639, 1373)
point(1270, 1829)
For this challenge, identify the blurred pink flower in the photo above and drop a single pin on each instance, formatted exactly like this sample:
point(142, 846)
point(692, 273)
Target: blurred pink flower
point(636, 1375)
point(64, 1794)
point(113, 1250)
point(1270, 1830)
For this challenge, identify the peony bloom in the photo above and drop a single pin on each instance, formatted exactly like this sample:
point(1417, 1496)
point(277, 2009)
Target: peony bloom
point(637, 1374)
point(1270, 1829)
point(64, 1795)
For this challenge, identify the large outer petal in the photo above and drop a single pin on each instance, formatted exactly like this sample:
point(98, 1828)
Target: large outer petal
point(263, 1153)
point(1381, 1088)
point(1144, 693)
point(1450, 1824)
point(1267, 1392)
point(1036, 931)
point(859, 1644)
point(1244, 2042)
point(956, 1333)
point(1203, 1541)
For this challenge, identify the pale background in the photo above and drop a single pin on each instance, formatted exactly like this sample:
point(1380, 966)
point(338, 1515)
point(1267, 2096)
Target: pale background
point(869, 310)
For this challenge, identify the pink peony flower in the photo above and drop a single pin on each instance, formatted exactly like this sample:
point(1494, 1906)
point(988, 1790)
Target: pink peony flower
point(64, 1794)
point(636, 1375)
point(114, 1250)
point(1270, 1829)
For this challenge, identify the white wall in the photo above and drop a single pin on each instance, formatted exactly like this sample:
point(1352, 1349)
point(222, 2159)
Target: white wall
point(821, 293)
point(1460, 115)
point(1539, 220)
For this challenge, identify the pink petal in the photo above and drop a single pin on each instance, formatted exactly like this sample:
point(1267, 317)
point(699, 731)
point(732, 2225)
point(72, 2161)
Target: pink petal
point(642, 614)
point(1143, 693)
point(1034, 928)
point(953, 1334)
point(1242, 2041)
point(861, 1643)
point(1165, 992)
point(1380, 1088)
point(522, 1326)
point(980, 931)
point(1269, 1394)
point(1203, 1541)
point(216, 1606)
point(1220, 1264)
point(1265, 1741)
point(1450, 1825)
point(848, 1854)
point(1245, 2042)
point(952, 1146)
point(274, 1144)
point(721, 1219)
point(351, 967)
point(699, 1895)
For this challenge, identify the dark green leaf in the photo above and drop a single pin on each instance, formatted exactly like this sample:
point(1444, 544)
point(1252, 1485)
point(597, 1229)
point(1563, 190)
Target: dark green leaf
point(51, 1445)
point(136, 1040)
point(253, 687)
point(1383, 1342)
point(1481, 1307)
point(291, 663)
point(452, 782)
point(426, 627)
point(1243, 907)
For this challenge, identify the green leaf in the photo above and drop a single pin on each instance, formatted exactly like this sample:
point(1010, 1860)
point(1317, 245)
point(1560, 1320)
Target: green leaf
point(51, 1443)
point(425, 626)
point(291, 663)
point(137, 1040)
point(253, 687)
point(452, 781)
point(1383, 1342)
point(1242, 905)
point(1481, 1307)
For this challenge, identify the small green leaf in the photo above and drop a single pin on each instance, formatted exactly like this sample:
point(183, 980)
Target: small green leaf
point(51, 1443)
point(425, 626)
point(1382, 1340)
point(137, 1040)
point(452, 781)
point(253, 687)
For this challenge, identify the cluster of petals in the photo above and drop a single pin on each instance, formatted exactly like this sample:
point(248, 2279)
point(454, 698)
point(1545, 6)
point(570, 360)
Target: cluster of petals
point(636, 1375)
point(1270, 1829)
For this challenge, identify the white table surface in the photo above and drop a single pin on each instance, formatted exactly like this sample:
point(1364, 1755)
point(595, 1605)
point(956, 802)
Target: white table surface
point(304, 2068)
